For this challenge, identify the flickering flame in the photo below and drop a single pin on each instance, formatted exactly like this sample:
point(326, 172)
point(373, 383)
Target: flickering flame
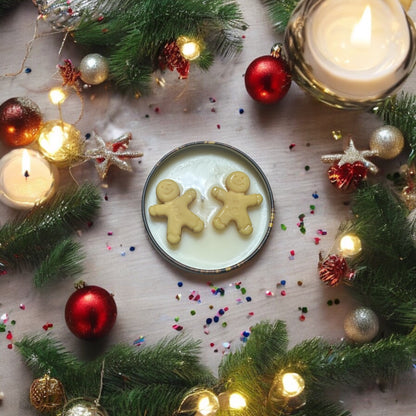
point(25, 163)
point(361, 33)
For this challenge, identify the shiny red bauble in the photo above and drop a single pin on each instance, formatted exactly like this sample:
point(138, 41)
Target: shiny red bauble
point(20, 120)
point(268, 79)
point(90, 312)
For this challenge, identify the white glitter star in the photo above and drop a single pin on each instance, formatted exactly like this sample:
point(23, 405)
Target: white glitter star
point(352, 154)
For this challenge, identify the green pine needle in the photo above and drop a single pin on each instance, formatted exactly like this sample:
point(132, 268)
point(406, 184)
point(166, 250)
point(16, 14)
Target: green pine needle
point(31, 239)
point(133, 35)
point(280, 12)
point(400, 111)
point(65, 259)
point(155, 380)
point(386, 267)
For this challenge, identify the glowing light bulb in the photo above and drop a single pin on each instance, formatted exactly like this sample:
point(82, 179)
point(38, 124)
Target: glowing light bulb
point(293, 384)
point(237, 401)
point(350, 245)
point(190, 49)
point(57, 96)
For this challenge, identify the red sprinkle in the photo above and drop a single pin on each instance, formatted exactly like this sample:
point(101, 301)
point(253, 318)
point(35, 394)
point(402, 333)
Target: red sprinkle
point(9, 335)
point(177, 327)
point(317, 240)
point(291, 146)
point(9, 346)
point(302, 318)
point(283, 292)
point(22, 307)
point(292, 252)
point(218, 126)
point(211, 344)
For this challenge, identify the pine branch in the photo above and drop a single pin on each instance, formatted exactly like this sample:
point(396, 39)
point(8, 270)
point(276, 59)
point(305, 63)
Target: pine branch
point(400, 111)
point(65, 259)
point(133, 35)
point(28, 240)
point(280, 12)
point(386, 267)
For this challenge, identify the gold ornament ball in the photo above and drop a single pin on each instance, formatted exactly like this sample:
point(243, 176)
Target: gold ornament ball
point(361, 325)
point(387, 142)
point(61, 143)
point(94, 69)
point(47, 394)
point(83, 407)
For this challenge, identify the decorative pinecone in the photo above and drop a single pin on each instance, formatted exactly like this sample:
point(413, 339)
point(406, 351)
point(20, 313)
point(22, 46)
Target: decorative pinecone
point(171, 58)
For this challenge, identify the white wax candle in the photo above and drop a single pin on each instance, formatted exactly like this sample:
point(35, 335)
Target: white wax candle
point(355, 47)
point(26, 179)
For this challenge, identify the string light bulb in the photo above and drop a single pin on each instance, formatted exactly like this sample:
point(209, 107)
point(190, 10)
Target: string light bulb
point(350, 245)
point(237, 401)
point(208, 405)
point(189, 48)
point(200, 402)
point(287, 392)
point(57, 96)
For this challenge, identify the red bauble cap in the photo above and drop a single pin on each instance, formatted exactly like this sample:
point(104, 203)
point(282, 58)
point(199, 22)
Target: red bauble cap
point(90, 312)
point(268, 79)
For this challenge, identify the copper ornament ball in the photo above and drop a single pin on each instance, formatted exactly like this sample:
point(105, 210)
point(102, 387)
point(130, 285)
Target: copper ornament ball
point(20, 121)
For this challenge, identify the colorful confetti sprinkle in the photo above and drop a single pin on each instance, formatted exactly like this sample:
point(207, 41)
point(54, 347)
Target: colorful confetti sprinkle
point(292, 146)
point(139, 341)
point(283, 227)
point(315, 195)
point(177, 327)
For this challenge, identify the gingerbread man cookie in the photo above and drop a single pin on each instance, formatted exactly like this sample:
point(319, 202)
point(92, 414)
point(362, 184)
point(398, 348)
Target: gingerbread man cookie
point(175, 208)
point(235, 203)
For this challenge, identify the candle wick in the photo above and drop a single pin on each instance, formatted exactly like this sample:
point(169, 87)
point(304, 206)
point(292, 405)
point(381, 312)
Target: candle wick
point(26, 174)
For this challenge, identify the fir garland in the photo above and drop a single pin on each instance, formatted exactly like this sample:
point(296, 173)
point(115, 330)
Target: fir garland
point(280, 12)
point(39, 239)
point(156, 381)
point(132, 34)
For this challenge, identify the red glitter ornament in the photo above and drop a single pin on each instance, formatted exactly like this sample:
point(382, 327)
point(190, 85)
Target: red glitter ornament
point(333, 269)
point(268, 79)
point(172, 59)
point(90, 312)
point(348, 176)
point(20, 120)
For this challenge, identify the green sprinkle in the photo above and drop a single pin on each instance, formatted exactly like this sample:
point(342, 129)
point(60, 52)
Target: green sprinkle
point(304, 309)
point(237, 286)
point(283, 227)
point(312, 207)
point(329, 303)
point(13, 322)
point(2, 328)
point(302, 229)
point(224, 324)
point(193, 312)
point(243, 290)
point(177, 319)
point(307, 167)
point(337, 301)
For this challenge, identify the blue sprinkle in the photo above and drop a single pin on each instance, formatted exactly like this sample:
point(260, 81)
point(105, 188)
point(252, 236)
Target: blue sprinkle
point(88, 136)
point(216, 318)
point(246, 334)
point(132, 248)
point(208, 321)
point(315, 195)
point(123, 253)
point(248, 298)
point(28, 70)
point(241, 110)
point(283, 282)
point(221, 311)
point(180, 284)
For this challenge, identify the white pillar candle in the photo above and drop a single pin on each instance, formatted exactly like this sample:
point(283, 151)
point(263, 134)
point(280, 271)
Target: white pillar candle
point(356, 47)
point(26, 179)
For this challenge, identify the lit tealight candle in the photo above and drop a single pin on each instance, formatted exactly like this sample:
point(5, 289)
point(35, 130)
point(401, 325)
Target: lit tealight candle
point(26, 179)
point(356, 48)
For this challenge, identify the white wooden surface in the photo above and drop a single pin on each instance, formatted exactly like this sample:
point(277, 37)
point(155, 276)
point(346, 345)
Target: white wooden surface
point(145, 286)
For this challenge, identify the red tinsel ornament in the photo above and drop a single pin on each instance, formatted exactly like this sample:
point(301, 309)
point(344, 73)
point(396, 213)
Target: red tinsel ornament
point(348, 176)
point(268, 78)
point(90, 312)
point(172, 59)
point(333, 269)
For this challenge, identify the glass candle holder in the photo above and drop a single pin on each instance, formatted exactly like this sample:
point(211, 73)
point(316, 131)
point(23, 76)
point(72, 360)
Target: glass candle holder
point(351, 54)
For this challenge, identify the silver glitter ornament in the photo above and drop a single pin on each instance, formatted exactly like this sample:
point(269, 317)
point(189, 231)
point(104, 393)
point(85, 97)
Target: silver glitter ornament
point(65, 15)
point(387, 142)
point(94, 69)
point(361, 325)
point(83, 407)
